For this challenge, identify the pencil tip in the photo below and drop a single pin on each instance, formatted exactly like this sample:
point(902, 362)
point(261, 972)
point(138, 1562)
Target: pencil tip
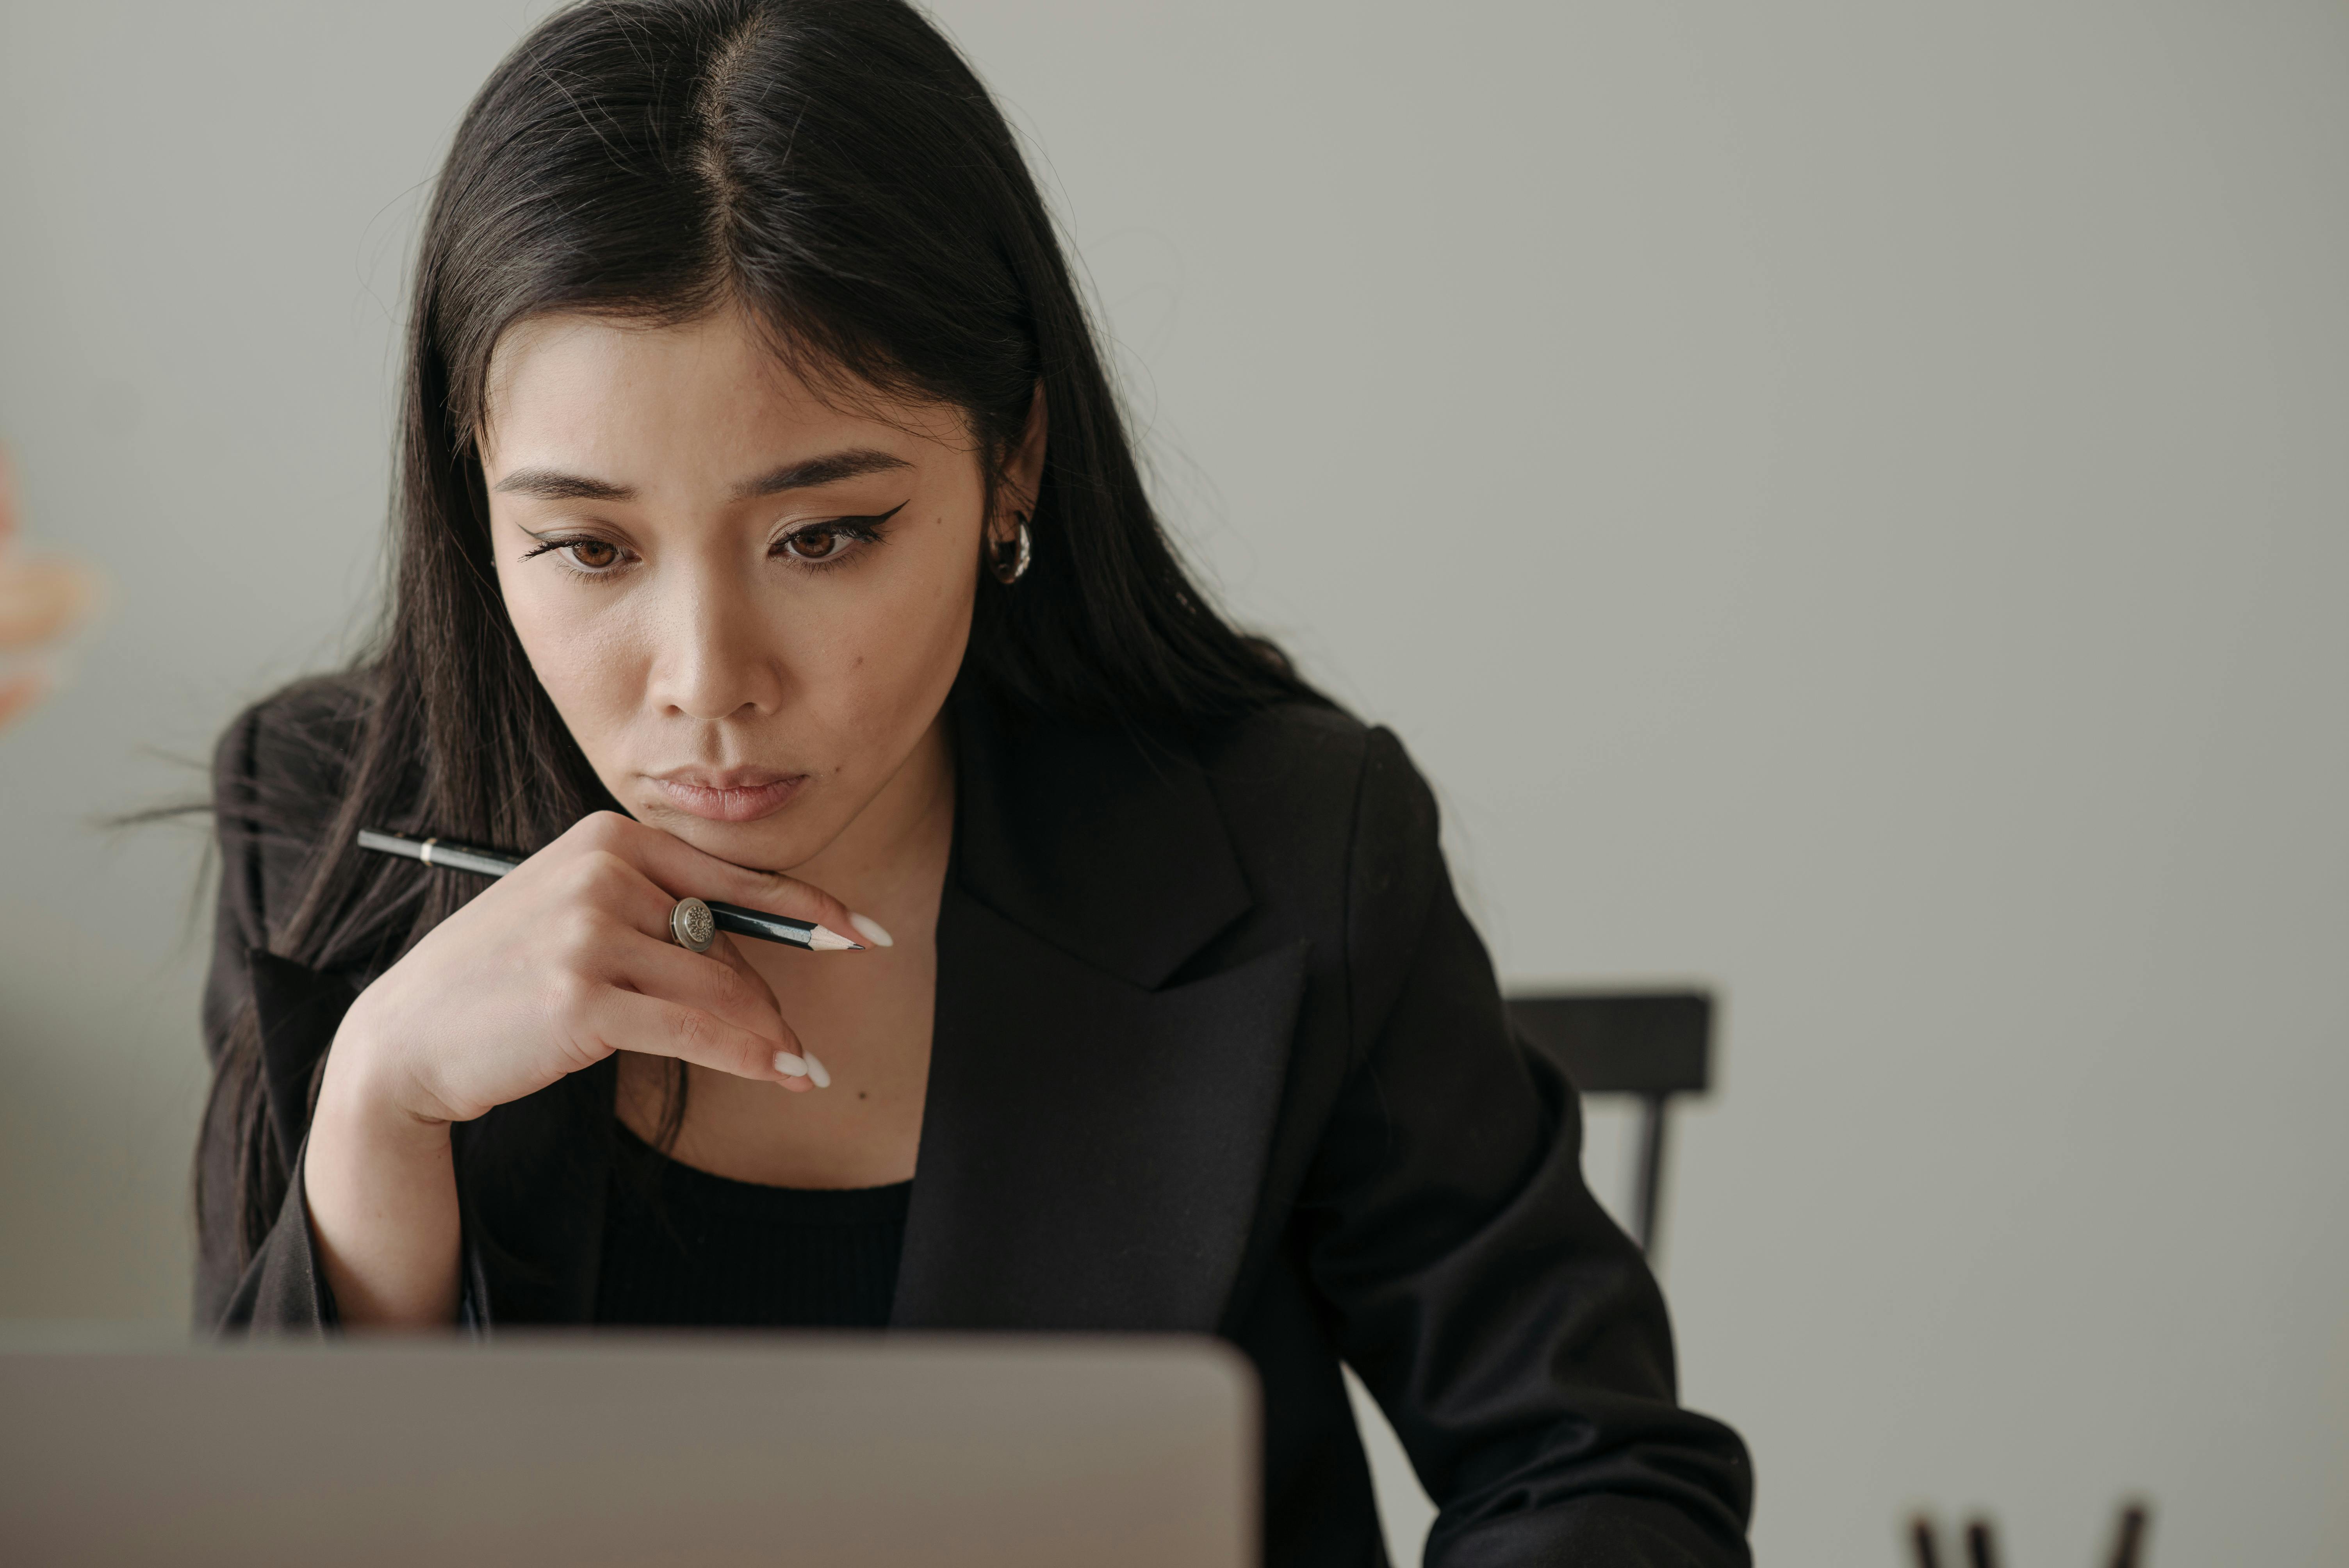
point(823, 939)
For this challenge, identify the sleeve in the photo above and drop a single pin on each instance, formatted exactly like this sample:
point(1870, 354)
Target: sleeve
point(266, 1023)
point(281, 1290)
point(1511, 1331)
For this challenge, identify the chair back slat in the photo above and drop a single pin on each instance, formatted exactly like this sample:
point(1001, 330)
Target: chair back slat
point(1623, 1042)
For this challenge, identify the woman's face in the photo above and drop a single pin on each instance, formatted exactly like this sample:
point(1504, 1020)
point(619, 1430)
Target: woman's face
point(748, 605)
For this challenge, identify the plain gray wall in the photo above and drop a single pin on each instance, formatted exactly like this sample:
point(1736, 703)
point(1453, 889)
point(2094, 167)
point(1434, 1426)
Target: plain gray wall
point(1848, 499)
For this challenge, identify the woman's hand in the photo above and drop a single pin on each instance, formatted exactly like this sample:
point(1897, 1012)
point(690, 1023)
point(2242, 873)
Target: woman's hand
point(554, 966)
point(565, 960)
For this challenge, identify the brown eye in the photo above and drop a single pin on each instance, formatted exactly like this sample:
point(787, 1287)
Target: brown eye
point(594, 554)
point(815, 543)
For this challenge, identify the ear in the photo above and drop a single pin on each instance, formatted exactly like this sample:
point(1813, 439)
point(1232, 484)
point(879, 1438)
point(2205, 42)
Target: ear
point(1023, 476)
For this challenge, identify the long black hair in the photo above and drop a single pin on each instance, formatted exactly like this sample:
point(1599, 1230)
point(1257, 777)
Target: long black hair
point(834, 169)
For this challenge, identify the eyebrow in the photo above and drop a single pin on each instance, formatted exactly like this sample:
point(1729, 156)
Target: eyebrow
point(830, 469)
point(553, 484)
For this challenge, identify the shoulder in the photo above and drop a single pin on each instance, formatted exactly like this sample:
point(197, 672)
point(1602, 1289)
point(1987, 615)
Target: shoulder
point(1267, 829)
point(281, 765)
point(1331, 813)
point(1322, 772)
point(295, 742)
point(278, 776)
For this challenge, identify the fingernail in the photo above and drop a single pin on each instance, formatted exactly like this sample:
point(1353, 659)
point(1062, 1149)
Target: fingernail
point(872, 930)
point(816, 1075)
point(790, 1065)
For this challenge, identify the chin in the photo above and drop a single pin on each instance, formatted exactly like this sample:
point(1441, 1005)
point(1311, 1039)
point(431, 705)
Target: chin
point(774, 843)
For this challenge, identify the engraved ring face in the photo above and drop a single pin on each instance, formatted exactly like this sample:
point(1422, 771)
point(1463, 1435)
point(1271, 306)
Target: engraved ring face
point(692, 925)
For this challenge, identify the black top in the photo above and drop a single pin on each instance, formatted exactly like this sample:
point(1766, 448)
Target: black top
point(684, 1248)
point(1216, 1051)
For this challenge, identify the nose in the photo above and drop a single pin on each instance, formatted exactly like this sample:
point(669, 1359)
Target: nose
point(715, 657)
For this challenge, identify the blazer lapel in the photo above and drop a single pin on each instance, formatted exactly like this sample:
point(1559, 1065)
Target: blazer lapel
point(1094, 1139)
point(1091, 1151)
point(1105, 842)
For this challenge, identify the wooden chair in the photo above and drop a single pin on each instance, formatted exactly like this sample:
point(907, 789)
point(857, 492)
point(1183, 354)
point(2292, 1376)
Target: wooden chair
point(1650, 1044)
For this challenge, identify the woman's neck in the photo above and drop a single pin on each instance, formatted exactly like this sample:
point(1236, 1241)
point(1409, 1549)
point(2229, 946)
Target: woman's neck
point(896, 849)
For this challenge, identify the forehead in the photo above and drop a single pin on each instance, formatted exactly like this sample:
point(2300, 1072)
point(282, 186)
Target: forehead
point(583, 388)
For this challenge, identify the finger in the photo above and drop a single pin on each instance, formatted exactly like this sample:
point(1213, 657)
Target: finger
point(704, 982)
point(684, 871)
point(601, 879)
point(604, 886)
point(727, 952)
point(724, 948)
point(633, 1021)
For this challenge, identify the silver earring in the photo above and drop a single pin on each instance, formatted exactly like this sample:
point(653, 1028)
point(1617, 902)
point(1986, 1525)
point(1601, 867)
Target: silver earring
point(1011, 562)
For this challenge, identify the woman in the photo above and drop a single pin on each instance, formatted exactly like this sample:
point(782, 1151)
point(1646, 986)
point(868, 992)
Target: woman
point(768, 532)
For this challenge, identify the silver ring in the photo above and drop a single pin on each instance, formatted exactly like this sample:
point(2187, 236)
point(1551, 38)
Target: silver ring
point(692, 925)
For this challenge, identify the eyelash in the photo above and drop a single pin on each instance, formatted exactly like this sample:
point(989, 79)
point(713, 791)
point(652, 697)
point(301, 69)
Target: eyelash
point(858, 531)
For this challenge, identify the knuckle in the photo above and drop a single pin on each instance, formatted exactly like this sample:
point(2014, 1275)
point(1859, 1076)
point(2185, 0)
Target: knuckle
point(689, 1029)
point(732, 990)
point(600, 883)
point(788, 894)
point(568, 993)
point(578, 933)
point(604, 830)
point(597, 869)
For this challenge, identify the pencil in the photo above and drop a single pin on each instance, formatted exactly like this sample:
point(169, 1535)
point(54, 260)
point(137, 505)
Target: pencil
point(730, 917)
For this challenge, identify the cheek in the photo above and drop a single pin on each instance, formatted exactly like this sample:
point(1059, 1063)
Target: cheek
point(590, 664)
point(891, 662)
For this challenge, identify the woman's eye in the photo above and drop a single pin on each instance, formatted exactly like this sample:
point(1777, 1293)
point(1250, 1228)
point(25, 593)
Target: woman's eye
point(831, 541)
point(816, 544)
point(587, 557)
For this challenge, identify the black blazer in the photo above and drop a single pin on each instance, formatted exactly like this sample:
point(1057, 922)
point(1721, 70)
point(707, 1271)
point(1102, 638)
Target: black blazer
point(1215, 1052)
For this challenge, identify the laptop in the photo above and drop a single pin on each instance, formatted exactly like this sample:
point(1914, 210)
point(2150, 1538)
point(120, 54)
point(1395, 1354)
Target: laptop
point(686, 1452)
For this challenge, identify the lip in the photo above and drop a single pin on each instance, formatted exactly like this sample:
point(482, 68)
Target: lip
point(728, 794)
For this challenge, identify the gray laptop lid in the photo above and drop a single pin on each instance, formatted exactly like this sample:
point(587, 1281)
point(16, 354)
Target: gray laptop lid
point(683, 1452)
